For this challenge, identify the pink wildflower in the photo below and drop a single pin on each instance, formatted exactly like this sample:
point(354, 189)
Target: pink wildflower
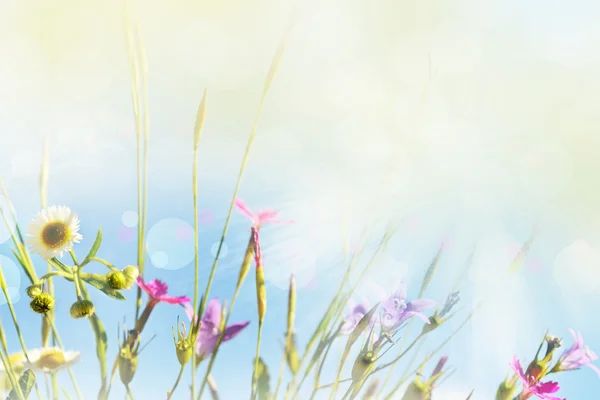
point(533, 387)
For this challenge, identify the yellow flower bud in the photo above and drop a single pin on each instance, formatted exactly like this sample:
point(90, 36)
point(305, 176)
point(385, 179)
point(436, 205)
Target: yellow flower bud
point(33, 291)
point(131, 274)
point(42, 303)
point(261, 294)
point(82, 309)
point(116, 280)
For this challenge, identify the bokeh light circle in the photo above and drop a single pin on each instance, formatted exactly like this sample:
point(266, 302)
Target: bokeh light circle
point(126, 234)
point(170, 244)
point(12, 276)
point(6, 232)
point(205, 217)
point(130, 218)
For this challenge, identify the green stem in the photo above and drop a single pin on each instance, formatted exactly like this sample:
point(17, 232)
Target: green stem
point(55, 273)
point(176, 382)
point(5, 358)
point(105, 263)
point(70, 370)
point(196, 257)
point(54, 386)
point(254, 377)
point(16, 323)
point(319, 370)
point(129, 394)
point(280, 376)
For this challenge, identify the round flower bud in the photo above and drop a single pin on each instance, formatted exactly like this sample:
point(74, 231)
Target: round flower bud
point(82, 309)
point(42, 303)
point(33, 291)
point(183, 348)
point(131, 274)
point(116, 280)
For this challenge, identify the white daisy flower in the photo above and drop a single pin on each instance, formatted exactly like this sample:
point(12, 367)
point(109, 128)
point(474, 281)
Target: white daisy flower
point(53, 231)
point(51, 359)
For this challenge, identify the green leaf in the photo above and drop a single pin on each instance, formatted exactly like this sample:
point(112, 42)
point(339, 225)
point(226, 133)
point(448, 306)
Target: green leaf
point(56, 263)
point(94, 249)
point(99, 282)
point(101, 341)
point(470, 395)
point(26, 383)
point(263, 385)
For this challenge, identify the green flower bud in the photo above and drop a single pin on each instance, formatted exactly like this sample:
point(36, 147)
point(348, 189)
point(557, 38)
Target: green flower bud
point(131, 274)
point(82, 309)
point(507, 389)
point(117, 280)
point(127, 365)
point(183, 347)
point(33, 291)
point(363, 366)
point(417, 391)
point(434, 322)
point(42, 303)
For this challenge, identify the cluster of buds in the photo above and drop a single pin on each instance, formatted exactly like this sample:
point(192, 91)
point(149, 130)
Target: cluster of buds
point(122, 280)
point(41, 302)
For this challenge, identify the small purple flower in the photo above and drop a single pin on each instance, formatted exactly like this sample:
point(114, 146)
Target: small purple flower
point(396, 310)
point(577, 356)
point(354, 314)
point(209, 328)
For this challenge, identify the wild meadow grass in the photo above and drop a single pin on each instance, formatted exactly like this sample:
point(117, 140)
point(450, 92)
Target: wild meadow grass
point(377, 338)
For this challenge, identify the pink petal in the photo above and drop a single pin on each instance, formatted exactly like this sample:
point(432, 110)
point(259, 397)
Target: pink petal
point(140, 282)
point(243, 208)
point(174, 300)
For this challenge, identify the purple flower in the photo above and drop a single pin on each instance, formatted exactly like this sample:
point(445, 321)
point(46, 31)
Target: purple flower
point(354, 314)
point(579, 355)
point(396, 310)
point(209, 328)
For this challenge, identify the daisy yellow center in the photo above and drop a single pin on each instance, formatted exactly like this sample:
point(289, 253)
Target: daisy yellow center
point(51, 360)
point(55, 234)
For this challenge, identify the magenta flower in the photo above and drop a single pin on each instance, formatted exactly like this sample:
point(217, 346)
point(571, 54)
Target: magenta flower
point(157, 290)
point(209, 328)
point(258, 219)
point(579, 355)
point(533, 387)
point(396, 310)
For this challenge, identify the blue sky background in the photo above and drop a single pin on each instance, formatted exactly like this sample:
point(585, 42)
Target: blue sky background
point(356, 132)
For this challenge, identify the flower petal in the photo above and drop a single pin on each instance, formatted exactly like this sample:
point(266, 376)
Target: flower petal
point(243, 208)
point(420, 304)
point(212, 314)
point(233, 330)
point(174, 299)
point(140, 282)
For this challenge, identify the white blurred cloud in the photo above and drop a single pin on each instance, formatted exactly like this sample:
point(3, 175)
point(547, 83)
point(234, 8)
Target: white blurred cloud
point(577, 269)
